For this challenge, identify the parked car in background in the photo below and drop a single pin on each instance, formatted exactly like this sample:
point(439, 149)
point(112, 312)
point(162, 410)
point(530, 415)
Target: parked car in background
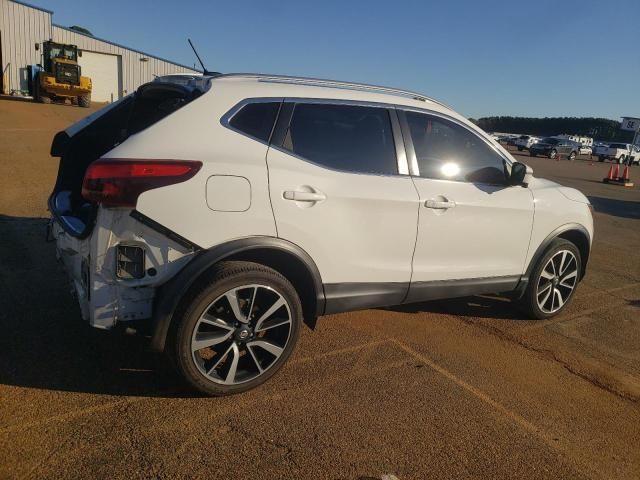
point(299, 198)
point(584, 141)
point(552, 147)
point(617, 152)
point(585, 150)
point(600, 149)
point(523, 142)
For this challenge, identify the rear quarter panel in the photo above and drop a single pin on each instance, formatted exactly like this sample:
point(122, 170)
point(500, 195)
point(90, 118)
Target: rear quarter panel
point(195, 133)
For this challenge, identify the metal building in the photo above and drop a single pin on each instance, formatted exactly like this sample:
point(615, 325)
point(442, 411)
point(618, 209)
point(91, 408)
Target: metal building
point(115, 70)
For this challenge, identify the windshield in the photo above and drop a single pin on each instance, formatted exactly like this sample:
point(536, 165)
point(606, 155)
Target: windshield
point(550, 141)
point(67, 53)
point(618, 145)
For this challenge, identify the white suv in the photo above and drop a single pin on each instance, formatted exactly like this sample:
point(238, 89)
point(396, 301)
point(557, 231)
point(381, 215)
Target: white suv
point(524, 142)
point(227, 210)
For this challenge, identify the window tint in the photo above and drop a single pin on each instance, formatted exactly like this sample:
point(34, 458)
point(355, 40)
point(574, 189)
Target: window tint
point(343, 137)
point(256, 119)
point(446, 150)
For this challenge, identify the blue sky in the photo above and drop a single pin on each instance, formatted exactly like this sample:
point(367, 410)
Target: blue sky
point(485, 57)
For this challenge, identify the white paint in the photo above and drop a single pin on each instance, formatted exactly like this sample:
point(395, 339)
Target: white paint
point(228, 193)
point(486, 234)
point(365, 229)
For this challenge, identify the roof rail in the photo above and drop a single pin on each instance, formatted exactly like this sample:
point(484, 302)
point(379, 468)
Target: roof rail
point(321, 82)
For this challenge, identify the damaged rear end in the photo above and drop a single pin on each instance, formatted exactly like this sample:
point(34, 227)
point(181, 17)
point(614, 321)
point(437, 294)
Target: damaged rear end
point(114, 256)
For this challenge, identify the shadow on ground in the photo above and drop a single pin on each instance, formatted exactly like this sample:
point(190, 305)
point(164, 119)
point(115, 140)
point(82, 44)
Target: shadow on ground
point(44, 343)
point(484, 306)
point(616, 208)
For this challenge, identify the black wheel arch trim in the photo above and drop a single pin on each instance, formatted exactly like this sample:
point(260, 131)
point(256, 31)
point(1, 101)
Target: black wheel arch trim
point(542, 248)
point(169, 295)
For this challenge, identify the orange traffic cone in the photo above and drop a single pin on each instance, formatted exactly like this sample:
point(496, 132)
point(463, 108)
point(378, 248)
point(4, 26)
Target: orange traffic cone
point(616, 172)
point(610, 174)
point(625, 174)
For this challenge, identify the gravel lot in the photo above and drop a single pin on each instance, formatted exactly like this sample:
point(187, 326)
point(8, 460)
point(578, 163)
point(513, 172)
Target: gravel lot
point(458, 389)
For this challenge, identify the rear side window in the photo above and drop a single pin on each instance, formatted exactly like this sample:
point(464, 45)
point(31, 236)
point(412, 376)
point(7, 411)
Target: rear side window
point(448, 151)
point(343, 137)
point(256, 119)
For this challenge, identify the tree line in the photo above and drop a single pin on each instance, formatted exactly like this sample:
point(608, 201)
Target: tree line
point(598, 128)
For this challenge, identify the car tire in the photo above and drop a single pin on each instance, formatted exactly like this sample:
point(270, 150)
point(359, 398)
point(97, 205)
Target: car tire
point(553, 154)
point(208, 319)
point(621, 159)
point(553, 281)
point(520, 149)
point(572, 156)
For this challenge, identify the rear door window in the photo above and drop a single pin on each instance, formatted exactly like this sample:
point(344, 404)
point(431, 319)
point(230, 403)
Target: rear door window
point(448, 151)
point(351, 138)
point(256, 119)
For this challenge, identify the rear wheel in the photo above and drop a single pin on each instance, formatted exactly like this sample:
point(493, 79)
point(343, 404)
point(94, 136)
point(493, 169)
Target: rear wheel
point(553, 280)
point(553, 154)
point(42, 96)
point(572, 156)
point(84, 100)
point(237, 329)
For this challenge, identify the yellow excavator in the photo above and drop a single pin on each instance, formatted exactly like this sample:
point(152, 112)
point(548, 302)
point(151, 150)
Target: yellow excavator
point(61, 77)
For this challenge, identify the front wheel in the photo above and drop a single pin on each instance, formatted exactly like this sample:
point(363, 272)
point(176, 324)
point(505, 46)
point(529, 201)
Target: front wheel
point(237, 329)
point(84, 101)
point(621, 159)
point(572, 156)
point(553, 154)
point(553, 280)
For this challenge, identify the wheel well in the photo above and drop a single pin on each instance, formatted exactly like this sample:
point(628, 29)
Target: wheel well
point(579, 239)
point(293, 269)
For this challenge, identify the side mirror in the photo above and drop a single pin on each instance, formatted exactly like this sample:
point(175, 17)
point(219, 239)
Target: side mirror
point(520, 174)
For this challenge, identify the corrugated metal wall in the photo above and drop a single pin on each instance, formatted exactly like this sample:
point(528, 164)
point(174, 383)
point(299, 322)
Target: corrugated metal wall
point(21, 27)
point(134, 72)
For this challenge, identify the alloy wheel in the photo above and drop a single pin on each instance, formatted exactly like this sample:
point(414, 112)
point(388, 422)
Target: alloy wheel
point(557, 281)
point(241, 334)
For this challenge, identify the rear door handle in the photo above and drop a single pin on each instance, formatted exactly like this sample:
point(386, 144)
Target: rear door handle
point(303, 196)
point(439, 204)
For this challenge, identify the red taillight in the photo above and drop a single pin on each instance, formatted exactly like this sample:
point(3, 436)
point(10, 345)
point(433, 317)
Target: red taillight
point(118, 183)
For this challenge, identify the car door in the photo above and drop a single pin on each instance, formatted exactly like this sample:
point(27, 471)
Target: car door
point(474, 228)
point(564, 147)
point(340, 190)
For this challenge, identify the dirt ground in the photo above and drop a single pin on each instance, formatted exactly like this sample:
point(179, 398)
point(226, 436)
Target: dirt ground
point(458, 389)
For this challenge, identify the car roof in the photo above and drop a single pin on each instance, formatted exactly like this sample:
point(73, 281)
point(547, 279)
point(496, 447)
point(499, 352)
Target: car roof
point(325, 88)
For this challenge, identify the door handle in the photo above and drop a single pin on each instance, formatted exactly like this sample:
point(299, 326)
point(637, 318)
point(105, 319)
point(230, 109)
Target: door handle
point(299, 196)
point(439, 204)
